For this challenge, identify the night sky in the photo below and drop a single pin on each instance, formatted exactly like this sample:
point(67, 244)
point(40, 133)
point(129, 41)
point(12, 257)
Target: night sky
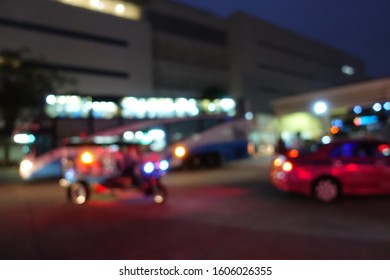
point(361, 27)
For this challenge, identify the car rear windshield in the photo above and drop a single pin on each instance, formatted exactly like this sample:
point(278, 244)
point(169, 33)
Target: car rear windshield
point(310, 147)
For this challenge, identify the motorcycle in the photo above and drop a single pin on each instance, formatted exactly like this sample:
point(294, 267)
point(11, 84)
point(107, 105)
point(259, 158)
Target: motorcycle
point(94, 169)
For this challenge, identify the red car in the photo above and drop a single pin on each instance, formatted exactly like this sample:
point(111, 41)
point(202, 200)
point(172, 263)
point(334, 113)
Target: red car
point(343, 167)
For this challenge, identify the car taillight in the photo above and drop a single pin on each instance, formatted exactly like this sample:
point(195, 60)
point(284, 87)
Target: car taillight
point(293, 153)
point(86, 158)
point(287, 166)
point(278, 162)
point(384, 149)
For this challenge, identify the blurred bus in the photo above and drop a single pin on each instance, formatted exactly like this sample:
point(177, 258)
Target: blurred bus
point(186, 141)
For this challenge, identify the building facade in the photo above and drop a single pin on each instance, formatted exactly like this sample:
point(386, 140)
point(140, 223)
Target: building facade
point(160, 48)
point(107, 55)
point(360, 109)
point(269, 62)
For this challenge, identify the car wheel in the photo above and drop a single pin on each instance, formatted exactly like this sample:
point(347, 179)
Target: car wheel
point(326, 190)
point(78, 193)
point(213, 160)
point(159, 193)
point(192, 162)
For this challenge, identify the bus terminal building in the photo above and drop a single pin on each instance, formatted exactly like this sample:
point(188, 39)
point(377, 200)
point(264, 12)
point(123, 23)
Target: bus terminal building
point(160, 48)
point(357, 110)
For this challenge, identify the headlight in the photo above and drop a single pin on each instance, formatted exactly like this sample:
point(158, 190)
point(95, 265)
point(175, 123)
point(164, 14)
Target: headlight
point(164, 165)
point(25, 168)
point(70, 174)
point(180, 151)
point(148, 167)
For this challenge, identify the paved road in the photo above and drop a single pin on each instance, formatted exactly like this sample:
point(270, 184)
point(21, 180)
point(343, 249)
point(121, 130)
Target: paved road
point(230, 213)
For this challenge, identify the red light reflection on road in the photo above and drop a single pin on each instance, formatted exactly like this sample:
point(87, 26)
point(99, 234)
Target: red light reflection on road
point(225, 191)
point(352, 167)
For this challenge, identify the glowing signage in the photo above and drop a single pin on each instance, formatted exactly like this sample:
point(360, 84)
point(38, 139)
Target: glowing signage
point(365, 120)
point(73, 106)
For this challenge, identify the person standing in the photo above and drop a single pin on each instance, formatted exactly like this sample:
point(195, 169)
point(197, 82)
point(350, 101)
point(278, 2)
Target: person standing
point(280, 146)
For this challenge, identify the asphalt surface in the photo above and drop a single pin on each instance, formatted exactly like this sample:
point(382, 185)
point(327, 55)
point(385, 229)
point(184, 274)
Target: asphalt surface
point(229, 213)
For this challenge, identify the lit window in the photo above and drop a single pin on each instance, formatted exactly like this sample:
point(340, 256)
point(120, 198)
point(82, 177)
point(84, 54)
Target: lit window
point(227, 104)
point(103, 109)
point(51, 99)
point(95, 3)
point(66, 106)
point(118, 8)
point(211, 107)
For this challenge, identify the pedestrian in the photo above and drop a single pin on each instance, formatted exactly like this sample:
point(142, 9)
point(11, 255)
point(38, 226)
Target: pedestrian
point(131, 161)
point(297, 143)
point(280, 146)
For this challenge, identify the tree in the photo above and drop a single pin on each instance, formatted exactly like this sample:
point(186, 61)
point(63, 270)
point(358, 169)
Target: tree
point(24, 82)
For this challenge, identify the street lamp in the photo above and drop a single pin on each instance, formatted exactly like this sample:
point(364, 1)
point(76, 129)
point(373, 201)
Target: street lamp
point(321, 109)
